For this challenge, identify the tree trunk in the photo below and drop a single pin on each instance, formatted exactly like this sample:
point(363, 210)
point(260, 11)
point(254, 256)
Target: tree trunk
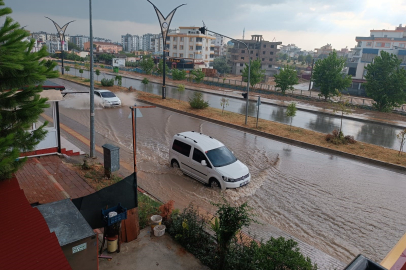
point(341, 125)
point(291, 118)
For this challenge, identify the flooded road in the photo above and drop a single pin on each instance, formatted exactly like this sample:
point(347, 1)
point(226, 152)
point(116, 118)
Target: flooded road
point(373, 133)
point(340, 206)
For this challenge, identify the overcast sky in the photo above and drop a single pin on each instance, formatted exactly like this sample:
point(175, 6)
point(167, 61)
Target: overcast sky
point(309, 24)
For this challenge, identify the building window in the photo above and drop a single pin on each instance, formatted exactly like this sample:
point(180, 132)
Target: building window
point(269, 66)
point(181, 55)
point(271, 53)
point(191, 48)
point(199, 39)
point(369, 44)
point(379, 44)
point(251, 52)
point(241, 64)
point(272, 46)
point(242, 58)
point(263, 52)
point(271, 59)
point(242, 51)
point(240, 70)
point(181, 39)
point(387, 45)
point(175, 54)
point(198, 48)
point(206, 56)
point(402, 45)
point(181, 47)
point(263, 59)
point(191, 55)
point(191, 39)
point(175, 46)
point(256, 54)
point(174, 38)
point(264, 46)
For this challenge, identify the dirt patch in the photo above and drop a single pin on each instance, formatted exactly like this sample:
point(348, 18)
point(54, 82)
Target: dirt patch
point(181, 252)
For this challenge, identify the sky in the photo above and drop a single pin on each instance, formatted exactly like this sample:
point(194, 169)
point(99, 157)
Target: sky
point(309, 24)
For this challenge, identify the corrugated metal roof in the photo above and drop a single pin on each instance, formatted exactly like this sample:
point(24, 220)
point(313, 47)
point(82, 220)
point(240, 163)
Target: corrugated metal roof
point(28, 243)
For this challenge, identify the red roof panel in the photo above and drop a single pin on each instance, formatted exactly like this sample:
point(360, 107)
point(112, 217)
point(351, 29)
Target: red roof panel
point(30, 245)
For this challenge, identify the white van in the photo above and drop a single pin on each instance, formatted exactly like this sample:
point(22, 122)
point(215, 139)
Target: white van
point(207, 160)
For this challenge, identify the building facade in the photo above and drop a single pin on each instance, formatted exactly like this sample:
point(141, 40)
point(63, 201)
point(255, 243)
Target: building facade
point(55, 46)
point(258, 48)
point(79, 40)
point(130, 43)
point(367, 48)
point(104, 47)
point(190, 43)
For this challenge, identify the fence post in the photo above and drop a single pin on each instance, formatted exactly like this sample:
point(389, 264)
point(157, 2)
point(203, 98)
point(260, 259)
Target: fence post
point(363, 101)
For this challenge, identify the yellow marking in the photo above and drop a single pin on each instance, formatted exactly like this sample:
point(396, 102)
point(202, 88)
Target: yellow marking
point(395, 253)
point(85, 141)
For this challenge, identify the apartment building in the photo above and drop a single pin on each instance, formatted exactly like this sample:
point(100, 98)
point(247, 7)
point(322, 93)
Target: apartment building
point(147, 42)
point(367, 48)
point(55, 46)
point(258, 48)
point(190, 43)
point(104, 47)
point(79, 40)
point(130, 43)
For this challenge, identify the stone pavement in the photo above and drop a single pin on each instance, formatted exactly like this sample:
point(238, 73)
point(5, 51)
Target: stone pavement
point(46, 179)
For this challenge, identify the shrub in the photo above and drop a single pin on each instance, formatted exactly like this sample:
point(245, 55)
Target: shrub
point(146, 208)
point(337, 138)
point(197, 101)
point(166, 210)
point(107, 82)
point(145, 81)
point(178, 74)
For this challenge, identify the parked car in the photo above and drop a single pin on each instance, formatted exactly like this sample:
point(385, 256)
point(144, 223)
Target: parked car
point(207, 160)
point(109, 99)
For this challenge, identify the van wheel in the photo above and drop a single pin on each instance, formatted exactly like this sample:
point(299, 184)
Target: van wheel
point(214, 183)
point(175, 164)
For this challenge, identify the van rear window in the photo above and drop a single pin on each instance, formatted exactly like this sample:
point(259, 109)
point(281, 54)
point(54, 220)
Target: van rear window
point(181, 147)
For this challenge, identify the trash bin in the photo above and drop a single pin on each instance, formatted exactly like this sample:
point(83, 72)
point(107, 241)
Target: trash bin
point(112, 244)
point(156, 220)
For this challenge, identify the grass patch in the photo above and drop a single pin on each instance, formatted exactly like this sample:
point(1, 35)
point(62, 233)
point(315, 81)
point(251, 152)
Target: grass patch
point(146, 208)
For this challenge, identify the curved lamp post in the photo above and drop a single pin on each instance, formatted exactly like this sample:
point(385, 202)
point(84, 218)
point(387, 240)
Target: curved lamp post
point(203, 31)
point(61, 34)
point(165, 23)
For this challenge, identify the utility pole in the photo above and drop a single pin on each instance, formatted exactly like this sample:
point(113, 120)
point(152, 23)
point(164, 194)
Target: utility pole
point(311, 75)
point(92, 132)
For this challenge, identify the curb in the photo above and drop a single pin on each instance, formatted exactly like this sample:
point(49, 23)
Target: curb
point(290, 141)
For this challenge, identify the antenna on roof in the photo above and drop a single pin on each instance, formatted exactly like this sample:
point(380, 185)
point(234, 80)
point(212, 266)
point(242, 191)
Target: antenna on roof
point(274, 39)
point(243, 33)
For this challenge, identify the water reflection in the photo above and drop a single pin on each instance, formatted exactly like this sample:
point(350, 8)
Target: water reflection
point(252, 108)
point(279, 115)
point(379, 135)
point(323, 123)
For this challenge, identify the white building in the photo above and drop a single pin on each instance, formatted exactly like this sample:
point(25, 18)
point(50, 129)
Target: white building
point(55, 46)
point(188, 42)
point(130, 43)
point(79, 40)
point(147, 42)
point(367, 48)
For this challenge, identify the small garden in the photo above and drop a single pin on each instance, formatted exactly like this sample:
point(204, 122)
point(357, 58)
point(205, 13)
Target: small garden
point(218, 242)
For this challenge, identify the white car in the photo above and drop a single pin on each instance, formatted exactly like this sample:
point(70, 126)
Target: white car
point(108, 98)
point(207, 160)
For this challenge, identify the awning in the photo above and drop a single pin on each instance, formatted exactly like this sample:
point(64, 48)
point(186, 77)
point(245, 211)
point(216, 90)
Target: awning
point(52, 95)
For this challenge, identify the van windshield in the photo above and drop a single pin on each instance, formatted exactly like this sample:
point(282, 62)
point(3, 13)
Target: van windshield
point(107, 94)
point(221, 156)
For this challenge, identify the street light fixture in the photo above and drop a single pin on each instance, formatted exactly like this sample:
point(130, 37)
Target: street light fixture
point(165, 23)
point(61, 33)
point(245, 95)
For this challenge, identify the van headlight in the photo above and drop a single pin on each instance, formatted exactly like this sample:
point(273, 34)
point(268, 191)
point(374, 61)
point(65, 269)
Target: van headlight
point(227, 179)
point(108, 102)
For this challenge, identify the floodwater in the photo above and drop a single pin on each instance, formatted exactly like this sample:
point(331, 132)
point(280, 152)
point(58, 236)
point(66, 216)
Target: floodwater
point(373, 133)
point(340, 206)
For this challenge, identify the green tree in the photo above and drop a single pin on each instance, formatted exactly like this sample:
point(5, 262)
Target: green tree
point(97, 73)
point(327, 75)
point(257, 74)
point(67, 69)
point(220, 64)
point(160, 68)
point(308, 59)
point(87, 66)
point(343, 107)
point(20, 103)
point(386, 82)
point(197, 101)
point(198, 75)
point(286, 78)
point(147, 64)
point(81, 73)
point(101, 66)
point(76, 66)
point(180, 89)
point(285, 56)
point(301, 58)
point(223, 103)
point(73, 46)
point(178, 74)
point(119, 79)
point(291, 112)
point(228, 222)
point(145, 81)
point(402, 138)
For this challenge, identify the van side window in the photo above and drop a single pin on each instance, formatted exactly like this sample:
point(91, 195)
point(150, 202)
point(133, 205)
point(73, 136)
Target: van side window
point(199, 156)
point(181, 147)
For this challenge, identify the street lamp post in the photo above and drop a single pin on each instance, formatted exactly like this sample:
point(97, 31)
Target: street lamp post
point(165, 23)
point(92, 130)
point(203, 30)
point(61, 33)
